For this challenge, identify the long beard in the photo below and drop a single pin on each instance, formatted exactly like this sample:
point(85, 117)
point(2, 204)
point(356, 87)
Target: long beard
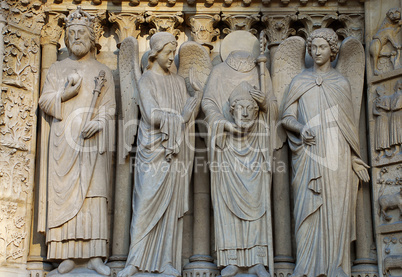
point(80, 49)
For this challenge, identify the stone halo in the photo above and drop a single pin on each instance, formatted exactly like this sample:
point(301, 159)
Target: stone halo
point(240, 40)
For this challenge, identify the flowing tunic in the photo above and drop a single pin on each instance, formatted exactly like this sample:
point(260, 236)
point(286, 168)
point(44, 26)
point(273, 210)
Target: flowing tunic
point(162, 174)
point(382, 124)
point(396, 119)
point(240, 175)
point(324, 184)
point(79, 169)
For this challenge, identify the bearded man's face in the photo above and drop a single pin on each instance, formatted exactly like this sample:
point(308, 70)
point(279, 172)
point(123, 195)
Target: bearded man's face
point(79, 40)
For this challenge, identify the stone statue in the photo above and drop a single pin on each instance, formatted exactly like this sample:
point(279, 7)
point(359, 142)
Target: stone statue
point(381, 108)
point(78, 95)
point(240, 117)
point(320, 117)
point(396, 118)
point(387, 44)
point(164, 158)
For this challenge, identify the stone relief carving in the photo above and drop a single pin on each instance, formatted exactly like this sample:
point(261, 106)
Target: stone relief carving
point(165, 146)
point(307, 121)
point(278, 27)
point(385, 47)
point(240, 22)
point(202, 28)
point(128, 24)
point(78, 95)
point(239, 116)
point(164, 22)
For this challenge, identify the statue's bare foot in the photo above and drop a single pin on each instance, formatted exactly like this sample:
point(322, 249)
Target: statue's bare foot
point(66, 266)
point(230, 270)
point(97, 265)
point(128, 271)
point(170, 270)
point(259, 270)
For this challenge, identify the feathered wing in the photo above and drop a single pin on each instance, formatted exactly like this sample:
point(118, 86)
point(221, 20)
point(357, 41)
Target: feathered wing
point(351, 65)
point(193, 55)
point(130, 74)
point(288, 61)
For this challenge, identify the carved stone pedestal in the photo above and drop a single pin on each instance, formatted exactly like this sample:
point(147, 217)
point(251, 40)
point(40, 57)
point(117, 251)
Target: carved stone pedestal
point(284, 266)
point(39, 269)
point(116, 267)
point(81, 272)
point(202, 266)
point(365, 268)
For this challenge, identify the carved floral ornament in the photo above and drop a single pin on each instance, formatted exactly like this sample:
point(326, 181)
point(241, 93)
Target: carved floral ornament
point(165, 22)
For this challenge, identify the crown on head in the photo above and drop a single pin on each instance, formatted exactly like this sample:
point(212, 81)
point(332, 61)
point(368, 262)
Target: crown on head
point(80, 17)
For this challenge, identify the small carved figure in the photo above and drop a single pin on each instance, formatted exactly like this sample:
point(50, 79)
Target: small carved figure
point(319, 115)
point(239, 117)
point(381, 108)
point(396, 118)
point(164, 156)
point(390, 202)
point(78, 95)
point(387, 34)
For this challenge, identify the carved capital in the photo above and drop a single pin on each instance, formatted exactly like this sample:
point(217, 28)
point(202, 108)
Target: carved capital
point(240, 22)
point(164, 22)
point(100, 20)
point(202, 28)
point(354, 26)
point(52, 30)
point(278, 27)
point(129, 24)
point(313, 21)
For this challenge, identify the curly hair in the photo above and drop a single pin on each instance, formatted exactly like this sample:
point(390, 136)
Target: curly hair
point(329, 35)
point(157, 43)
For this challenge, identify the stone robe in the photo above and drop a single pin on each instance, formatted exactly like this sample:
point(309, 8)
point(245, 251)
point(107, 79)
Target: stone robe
point(324, 183)
point(396, 119)
point(79, 169)
point(382, 125)
point(241, 193)
point(162, 174)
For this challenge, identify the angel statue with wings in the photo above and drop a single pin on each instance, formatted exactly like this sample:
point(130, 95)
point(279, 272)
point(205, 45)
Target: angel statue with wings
point(168, 103)
point(320, 114)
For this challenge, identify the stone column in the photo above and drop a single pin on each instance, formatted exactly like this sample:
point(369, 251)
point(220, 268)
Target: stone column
point(128, 24)
point(50, 36)
point(201, 262)
point(278, 29)
point(366, 257)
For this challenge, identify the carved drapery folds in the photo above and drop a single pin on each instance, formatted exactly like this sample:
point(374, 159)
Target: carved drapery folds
point(129, 24)
point(202, 28)
point(240, 22)
point(164, 22)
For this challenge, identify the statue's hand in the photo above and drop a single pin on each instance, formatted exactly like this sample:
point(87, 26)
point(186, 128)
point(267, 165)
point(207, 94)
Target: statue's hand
point(258, 96)
point(308, 136)
point(72, 88)
point(189, 108)
point(231, 128)
point(91, 128)
point(194, 81)
point(360, 168)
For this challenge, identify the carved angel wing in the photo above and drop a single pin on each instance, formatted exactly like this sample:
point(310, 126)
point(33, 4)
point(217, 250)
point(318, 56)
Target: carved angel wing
point(351, 65)
point(130, 74)
point(288, 61)
point(193, 55)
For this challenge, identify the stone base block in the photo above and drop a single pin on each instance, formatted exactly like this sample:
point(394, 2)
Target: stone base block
point(4, 271)
point(39, 269)
point(76, 272)
point(283, 269)
point(365, 270)
point(116, 267)
point(200, 266)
